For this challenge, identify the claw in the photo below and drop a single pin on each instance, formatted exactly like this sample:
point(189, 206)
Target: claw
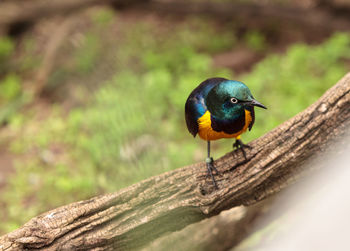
point(240, 145)
point(211, 168)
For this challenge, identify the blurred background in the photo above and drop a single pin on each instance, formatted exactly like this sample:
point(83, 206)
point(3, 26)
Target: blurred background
point(92, 93)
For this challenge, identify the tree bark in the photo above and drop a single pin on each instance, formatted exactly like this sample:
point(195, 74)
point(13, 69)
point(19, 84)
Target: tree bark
point(221, 232)
point(141, 213)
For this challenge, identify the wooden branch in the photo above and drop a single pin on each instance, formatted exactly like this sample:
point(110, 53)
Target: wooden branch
point(221, 232)
point(134, 216)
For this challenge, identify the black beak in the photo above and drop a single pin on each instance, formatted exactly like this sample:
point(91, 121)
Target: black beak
point(256, 103)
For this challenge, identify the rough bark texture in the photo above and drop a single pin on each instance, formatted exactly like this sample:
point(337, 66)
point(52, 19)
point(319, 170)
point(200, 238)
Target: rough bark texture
point(134, 216)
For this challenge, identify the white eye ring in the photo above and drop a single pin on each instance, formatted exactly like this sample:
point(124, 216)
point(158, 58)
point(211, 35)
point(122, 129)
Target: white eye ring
point(234, 100)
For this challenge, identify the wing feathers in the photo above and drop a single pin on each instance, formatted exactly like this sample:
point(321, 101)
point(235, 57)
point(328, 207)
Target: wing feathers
point(195, 106)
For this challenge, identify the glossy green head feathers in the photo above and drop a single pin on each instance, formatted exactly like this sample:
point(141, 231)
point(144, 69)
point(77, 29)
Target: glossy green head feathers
point(230, 88)
point(229, 99)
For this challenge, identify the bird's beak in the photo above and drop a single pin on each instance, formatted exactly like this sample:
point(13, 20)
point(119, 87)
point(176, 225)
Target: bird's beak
point(256, 103)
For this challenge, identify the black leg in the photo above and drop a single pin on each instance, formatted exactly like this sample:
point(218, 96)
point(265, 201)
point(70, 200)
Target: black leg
point(210, 166)
point(239, 145)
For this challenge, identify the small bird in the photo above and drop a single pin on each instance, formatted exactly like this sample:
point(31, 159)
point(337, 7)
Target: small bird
point(220, 108)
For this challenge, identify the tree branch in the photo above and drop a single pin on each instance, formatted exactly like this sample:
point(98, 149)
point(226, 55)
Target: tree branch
point(220, 232)
point(134, 216)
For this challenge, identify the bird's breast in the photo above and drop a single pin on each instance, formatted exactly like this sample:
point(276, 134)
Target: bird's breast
point(207, 132)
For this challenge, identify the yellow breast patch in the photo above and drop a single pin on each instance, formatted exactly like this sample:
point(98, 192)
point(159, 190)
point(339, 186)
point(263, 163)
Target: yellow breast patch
point(205, 131)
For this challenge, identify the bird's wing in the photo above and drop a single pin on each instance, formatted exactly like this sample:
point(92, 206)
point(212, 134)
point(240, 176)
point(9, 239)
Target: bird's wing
point(194, 109)
point(195, 105)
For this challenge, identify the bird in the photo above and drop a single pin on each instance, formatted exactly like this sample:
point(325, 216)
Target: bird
point(220, 108)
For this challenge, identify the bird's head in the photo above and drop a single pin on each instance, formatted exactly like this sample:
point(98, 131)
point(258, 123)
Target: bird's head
point(230, 98)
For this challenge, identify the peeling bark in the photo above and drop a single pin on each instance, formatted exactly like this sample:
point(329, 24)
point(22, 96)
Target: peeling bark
point(139, 214)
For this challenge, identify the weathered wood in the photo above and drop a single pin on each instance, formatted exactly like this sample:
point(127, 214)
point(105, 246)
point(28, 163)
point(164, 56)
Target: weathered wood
point(219, 233)
point(134, 216)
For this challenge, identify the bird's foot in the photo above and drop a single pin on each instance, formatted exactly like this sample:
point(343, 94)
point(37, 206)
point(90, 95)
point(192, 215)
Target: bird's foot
point(240, 145)
point(211, 168)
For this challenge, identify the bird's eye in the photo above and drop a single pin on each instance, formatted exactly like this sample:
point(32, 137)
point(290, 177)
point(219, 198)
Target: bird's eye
point(234, 100)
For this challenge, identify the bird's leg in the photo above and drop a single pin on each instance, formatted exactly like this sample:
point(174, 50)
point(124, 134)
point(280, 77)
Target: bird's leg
point(240, 145)
point(210, 166)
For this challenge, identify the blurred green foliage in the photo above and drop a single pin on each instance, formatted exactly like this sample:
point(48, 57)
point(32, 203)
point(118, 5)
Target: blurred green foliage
point(255, 40)
point(10, 87)
point(133, 126)
point(87, 55)
point(6, 49)
point(103, 16)
point(12, 96)
point(289, 83)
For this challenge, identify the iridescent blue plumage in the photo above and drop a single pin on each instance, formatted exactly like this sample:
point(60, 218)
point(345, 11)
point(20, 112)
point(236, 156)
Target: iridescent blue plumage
point(195, 105)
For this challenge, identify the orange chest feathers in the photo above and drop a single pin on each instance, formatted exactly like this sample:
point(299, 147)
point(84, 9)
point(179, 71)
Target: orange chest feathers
point(206, 132)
